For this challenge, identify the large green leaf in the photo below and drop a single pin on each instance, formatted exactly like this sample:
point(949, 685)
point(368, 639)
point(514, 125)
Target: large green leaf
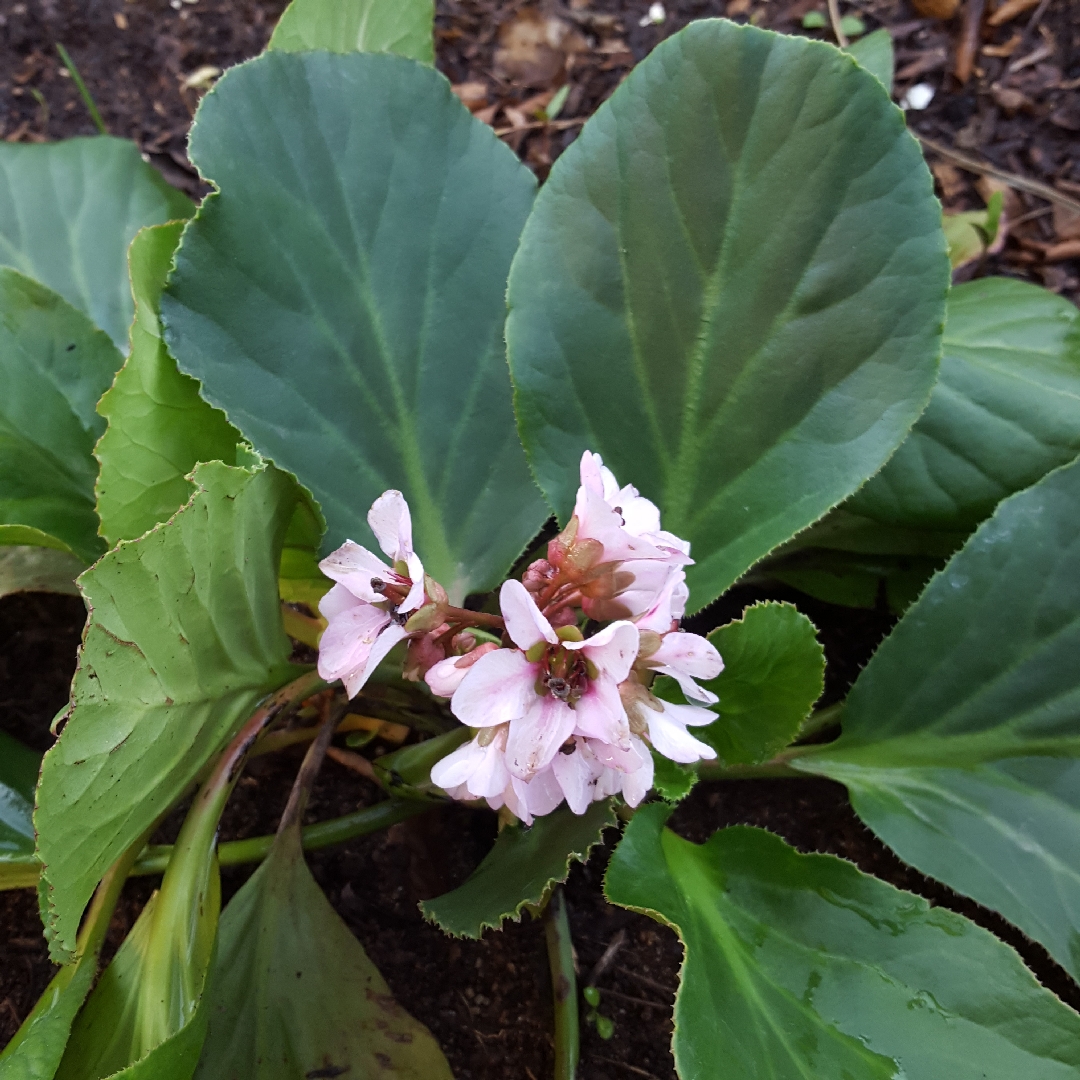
point(358, 341)
point(146, 1019)
point(520, 869)
point(184, 640)
point(961, 740)
point(800, 966)
point(54, 365)
point(68, 211)
point(732, 287)
point(1005, 410)
point(159, 427)
point(875, 53)
point(294, 994)
point(404, 27)
point(774, 671)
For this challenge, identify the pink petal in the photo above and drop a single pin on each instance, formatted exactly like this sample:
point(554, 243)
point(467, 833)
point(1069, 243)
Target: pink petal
point(499, 687)
point(457, 767)
point(445, 676)
point(689, 654)
point(383, 644)
point(346, 643)
point(592, 473)
point(613, 650)
point(391, 523)
point(354, 566)
point(624, 759)
point(669, 601)
point(599, 713)
point(524, 623)
point(541, 794)
point(337, 600)
point(639, 515)
point(535, 738)
point(575, 778)
point(491, 776)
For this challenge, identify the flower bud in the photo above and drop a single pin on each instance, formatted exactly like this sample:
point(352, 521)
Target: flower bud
point(463, 643)
point(559, 548)
point(537, 575)
point(422, 655)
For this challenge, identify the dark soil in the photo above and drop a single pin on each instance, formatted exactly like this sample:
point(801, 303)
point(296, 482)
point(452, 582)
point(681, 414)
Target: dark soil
point(489, 1002)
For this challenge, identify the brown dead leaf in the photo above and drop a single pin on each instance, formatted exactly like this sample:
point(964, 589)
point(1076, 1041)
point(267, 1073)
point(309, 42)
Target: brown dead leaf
point(1069, 249)
point(1066, 222)
point(936, 9)
point(950, 178)
point(737, 7)
point(1010, 99)
point(1009, 10)
point(1003, 50)
point(473, 95)
point(534, 48)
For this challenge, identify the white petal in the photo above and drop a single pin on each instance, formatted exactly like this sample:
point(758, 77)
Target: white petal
point(599, 713)
point(354, 566)
point(515, 796)
point(524, 623)
point(663, 608)
point(499, 687)
point(636, 784)
point(392, 525)
point(592, 472)
point(445, 677)
point(383, 644)
point(613, 650)
point(455, 769)
point(671, 738)
point(535, 738)
point(415, 597)
point(346, 643)
point(639, 515)
point(689, 653)
point(575, 778)
point(337, 600)
point(624, 759)
point(690, 689)
point(491, 776)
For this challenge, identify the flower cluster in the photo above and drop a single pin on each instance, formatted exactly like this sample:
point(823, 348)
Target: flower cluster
point(557, 715)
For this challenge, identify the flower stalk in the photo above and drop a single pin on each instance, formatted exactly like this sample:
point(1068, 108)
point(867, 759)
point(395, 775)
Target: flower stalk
point(560, 950)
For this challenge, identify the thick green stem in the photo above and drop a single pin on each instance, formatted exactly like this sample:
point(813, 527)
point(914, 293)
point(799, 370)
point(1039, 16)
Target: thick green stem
point(560, 951)
point(322, 835)
point(822, 720)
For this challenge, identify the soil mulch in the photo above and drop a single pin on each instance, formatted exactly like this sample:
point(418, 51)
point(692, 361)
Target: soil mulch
point(488, 1003)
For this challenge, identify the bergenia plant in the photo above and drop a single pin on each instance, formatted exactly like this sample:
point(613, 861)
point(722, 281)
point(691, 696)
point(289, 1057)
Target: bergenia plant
point(380, 438)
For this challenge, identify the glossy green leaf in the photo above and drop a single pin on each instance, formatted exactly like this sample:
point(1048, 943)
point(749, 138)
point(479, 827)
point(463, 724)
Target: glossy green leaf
point(358, 342)
point(960, 745)
point(184, 640)
point(731, 287)
point(520, 869)
point(18, 777)
point(27, 568)
point(800, 966)
point(68, 211)
point(405, 27)
point(1005, 411)
point(875, 53)
point(54, 366)
point(295, 995)
point(159, 427)
point(774, 671)
point(672, 781)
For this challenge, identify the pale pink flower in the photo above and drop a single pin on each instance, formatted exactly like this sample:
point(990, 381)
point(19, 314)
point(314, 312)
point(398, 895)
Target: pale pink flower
point(560, 688)
point(477, 769)
point(367, 607)
point(446, 676)
point(594, 770)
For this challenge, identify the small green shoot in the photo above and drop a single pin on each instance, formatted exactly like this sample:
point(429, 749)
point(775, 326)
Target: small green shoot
point(814, 20)
point(555, 105)
point(84, 93)
point(852, 26)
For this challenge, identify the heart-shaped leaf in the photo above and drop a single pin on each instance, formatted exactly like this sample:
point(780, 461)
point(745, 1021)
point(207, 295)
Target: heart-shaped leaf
point(159, 427)
point(68, 211)
point(1005, 411)
point(358, 341)
point(801, 966)
point(519, 870)
point(404, 27)
point(732, 287)
point(184, 640)
point(961, 747)
point(294, 994)
point(54, 365)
